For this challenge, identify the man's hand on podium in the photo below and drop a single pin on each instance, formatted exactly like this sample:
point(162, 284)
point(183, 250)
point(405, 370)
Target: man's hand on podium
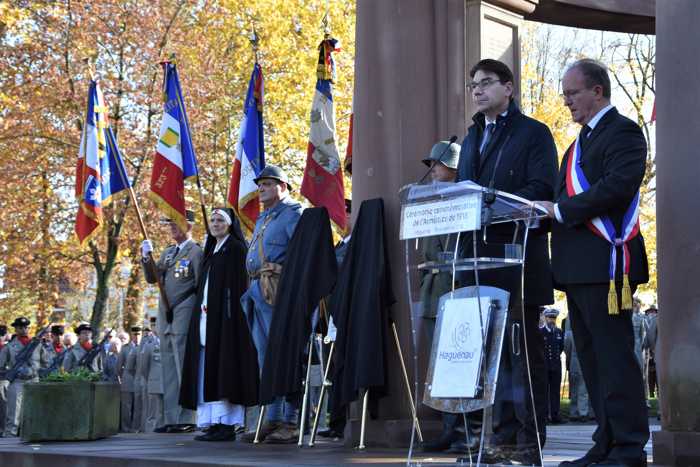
point(548, 206)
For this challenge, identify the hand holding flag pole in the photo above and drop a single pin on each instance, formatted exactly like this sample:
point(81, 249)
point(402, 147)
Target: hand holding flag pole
point(98, 138)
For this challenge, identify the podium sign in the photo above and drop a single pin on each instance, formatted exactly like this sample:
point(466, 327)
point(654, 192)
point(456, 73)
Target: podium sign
point(460, 213)
point(460, 344)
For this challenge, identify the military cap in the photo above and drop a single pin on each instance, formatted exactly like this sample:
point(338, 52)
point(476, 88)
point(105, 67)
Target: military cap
point(147, 329)
point(450, 157)
point(275, 173)
point(152, 319)
point(136, 329)
point(83, 327)
point(3, 330)
point(57, 329)
point(21, 321)
point(551, 312)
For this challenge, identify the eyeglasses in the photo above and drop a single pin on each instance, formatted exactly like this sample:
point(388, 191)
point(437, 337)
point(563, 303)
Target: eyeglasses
point(481, 85)
point(570, 94)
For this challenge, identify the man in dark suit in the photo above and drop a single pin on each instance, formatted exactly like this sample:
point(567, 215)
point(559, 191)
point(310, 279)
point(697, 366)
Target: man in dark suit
point(598, 184)
point(509, 151)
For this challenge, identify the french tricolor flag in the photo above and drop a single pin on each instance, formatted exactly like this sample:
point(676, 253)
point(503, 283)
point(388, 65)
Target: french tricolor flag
point(175, 160)
point(250, 154)
point(323, 174)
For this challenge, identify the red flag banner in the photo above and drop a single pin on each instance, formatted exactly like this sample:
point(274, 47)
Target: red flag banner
point(323, 174)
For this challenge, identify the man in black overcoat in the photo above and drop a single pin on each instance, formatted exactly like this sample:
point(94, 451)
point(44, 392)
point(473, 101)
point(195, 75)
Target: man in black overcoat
point(508, 151)
point(612, 159)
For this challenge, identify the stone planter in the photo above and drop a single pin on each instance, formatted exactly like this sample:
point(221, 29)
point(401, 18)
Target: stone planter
point(69, 411)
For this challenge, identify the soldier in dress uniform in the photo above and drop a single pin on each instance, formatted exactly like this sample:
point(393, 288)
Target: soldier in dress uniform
point(154, 380)
point(28, 373)
point(179, 267)
point(553, 347)
point(266, 254)
point(126, 366)
point(78, 351)
point(55, 347)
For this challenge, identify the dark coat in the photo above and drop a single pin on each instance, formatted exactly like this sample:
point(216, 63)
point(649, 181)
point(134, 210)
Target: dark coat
point(308, 275)
point(231, 362)
point(527, 168)
point(360, 305)
point(613, 160)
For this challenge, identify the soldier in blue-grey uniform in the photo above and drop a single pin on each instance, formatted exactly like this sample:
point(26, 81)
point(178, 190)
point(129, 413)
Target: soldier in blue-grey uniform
point(266, 254)
point(553, 347)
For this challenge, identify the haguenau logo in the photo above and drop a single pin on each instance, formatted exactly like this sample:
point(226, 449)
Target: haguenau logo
point(460, 338)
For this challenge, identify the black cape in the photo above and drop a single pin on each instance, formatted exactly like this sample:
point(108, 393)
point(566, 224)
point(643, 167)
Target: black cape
point(308, 275)
point(231, 368)
point(360, 308)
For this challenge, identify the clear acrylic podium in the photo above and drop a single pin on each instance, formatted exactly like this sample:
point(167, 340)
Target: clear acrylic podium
point(460, 374)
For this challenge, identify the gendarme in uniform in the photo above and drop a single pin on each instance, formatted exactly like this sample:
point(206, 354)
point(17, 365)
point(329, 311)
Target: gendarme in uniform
point(77, 352)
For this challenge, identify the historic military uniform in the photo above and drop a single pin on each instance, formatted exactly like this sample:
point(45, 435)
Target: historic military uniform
point(553, 347)
point(54, 353)
point(154, 383)
point(126, 366)
point(28, 373)
point(179, 268)
point(76, 353)
point(264, 261)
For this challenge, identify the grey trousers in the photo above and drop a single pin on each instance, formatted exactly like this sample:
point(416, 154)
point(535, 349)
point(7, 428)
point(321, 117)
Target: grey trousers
point(3, 404)
point(172, 349)
point(154, 418)
point(127, 407)
point(15, 392)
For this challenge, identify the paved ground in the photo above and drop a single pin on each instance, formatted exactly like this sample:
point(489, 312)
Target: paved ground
point(149, 450)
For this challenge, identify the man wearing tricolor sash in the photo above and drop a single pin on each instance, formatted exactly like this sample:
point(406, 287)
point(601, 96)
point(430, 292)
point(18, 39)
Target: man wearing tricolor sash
point(598, 259)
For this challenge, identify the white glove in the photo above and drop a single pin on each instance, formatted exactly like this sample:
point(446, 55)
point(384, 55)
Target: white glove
point(146, 248)
point(332, 331)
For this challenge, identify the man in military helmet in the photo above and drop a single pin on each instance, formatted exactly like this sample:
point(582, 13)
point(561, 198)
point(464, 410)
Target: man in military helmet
point(28, 372)
point(74, 356)
point(553, 347)
point(179, 268)
point(266, 254)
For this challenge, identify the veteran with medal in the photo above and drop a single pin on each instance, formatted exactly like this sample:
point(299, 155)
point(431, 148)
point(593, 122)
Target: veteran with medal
point(178, 268)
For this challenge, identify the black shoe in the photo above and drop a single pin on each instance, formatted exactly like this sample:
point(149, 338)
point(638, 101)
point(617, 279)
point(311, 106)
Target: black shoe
point(585, 461)
point(182, 428)
point(490, 455)
point(441, 444)
point(331, 434)
point(529, 456)
point(556, 420)
point(163, 429)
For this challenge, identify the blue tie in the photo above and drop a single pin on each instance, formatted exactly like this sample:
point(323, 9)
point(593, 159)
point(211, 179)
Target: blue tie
point(487, 136)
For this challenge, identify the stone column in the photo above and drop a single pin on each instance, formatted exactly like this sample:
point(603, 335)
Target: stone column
point(411, 67)
point(678, 224)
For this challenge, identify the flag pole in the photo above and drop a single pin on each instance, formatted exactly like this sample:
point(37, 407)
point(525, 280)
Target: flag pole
point(172, 59)
point(150, 262)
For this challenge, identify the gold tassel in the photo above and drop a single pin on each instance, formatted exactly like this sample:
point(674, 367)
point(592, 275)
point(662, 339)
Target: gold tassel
point(626, 293)
point(612, 300)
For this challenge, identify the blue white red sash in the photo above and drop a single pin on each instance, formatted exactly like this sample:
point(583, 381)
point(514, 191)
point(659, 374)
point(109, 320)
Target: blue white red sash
point(603, 227)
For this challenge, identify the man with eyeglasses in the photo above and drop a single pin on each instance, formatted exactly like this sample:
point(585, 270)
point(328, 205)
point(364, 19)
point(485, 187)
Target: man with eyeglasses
point(599, 258)
point(506, 150)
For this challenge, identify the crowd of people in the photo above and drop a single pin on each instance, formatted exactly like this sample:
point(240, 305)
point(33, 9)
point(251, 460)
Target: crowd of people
point(210, 354)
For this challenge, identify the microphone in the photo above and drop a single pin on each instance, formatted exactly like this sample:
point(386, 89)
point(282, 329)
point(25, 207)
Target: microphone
point(490, 194)
point(453, 138)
